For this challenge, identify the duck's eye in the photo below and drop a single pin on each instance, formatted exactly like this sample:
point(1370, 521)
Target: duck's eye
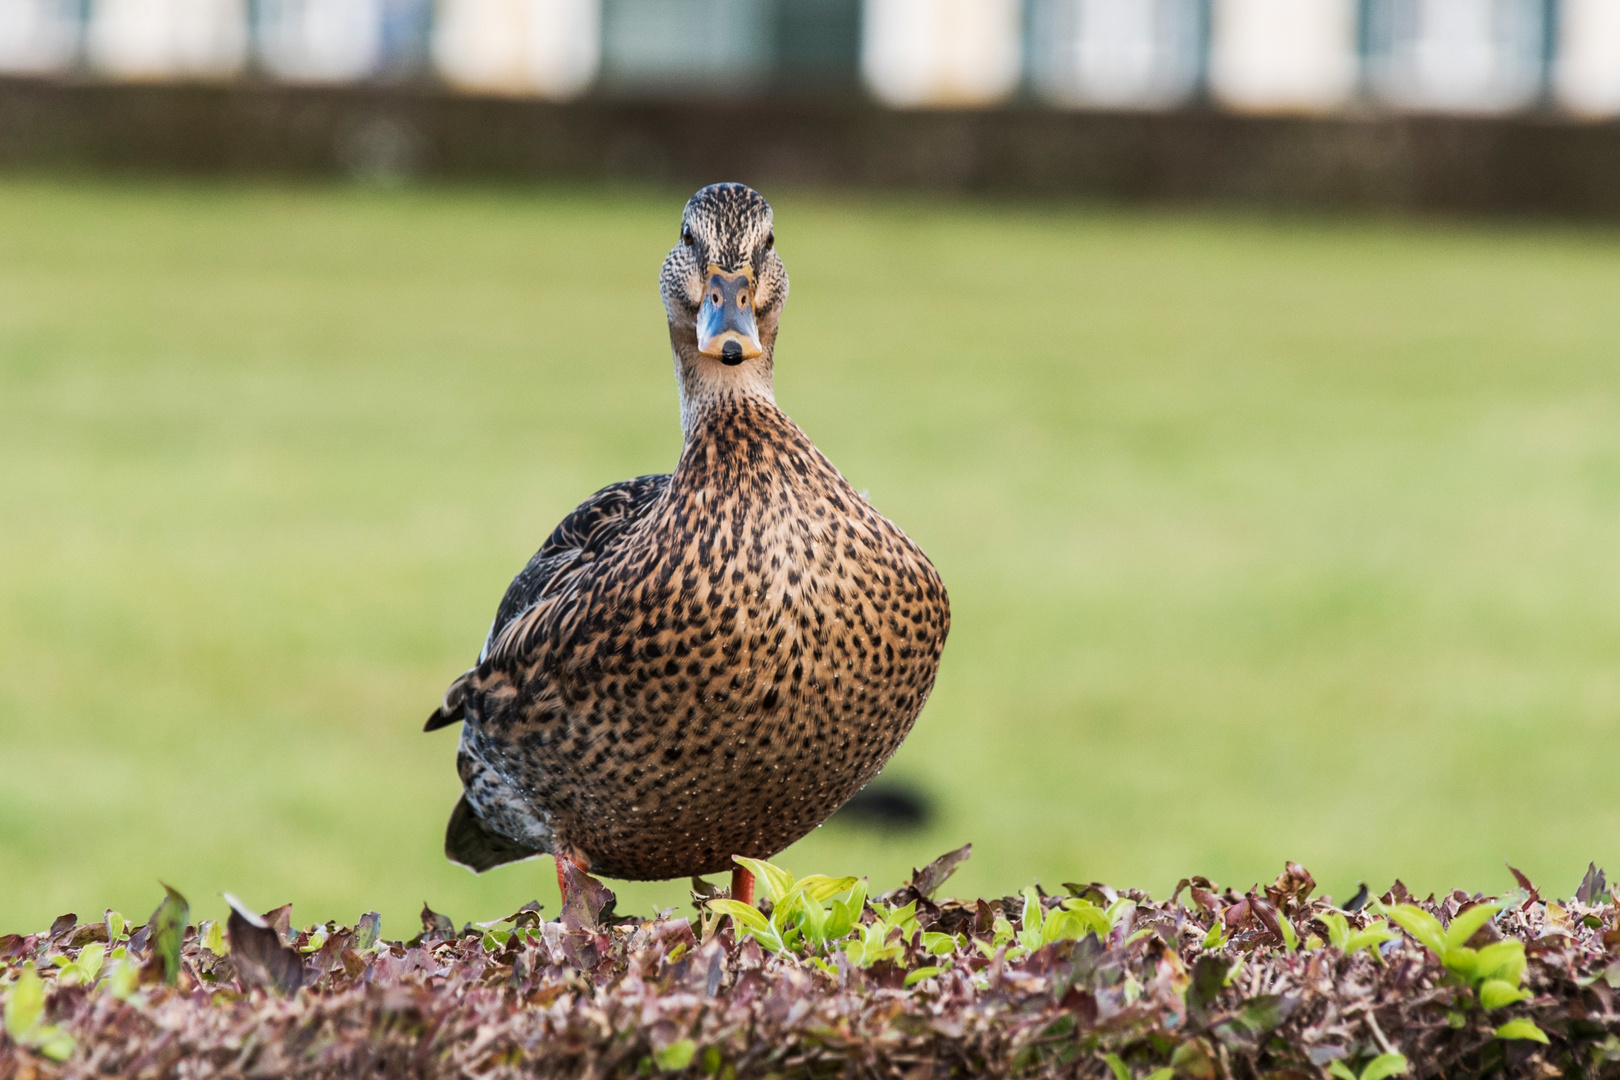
point(770, 240)
point(686, 237)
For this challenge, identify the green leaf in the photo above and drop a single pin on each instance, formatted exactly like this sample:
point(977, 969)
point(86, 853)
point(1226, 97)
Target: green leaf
point(1031, 917)
point(54, 1043)
point(773, 880)
point(872, 946)
point(213, 939)
point(807, 894)
point(1338, 929)
point(787, 915)
point(1421, 925)
point(1096, 921)
point(846, 913)
point(903, 918)
point(918, 975)
point(1165, 1073)
point(676, 1056)
point(1062, 926)
point(1263, 1013)
point(367, 930)
point(745, 915)
point(1375, 935)
point(168, 927)
point(821, 888)
point(1207, 979)
point(1495, 993)
point(1467, 924)
point(1340, 1070)
point(123, 979)
point(813, 921)
point(1503, 960)
point(1521, 1029)
point(88, 965)
point(1464, 961)
point(26, 1002)
point(1118, 1066)
point(754, 925)
point(839, 922)
point(1384, 1065)
point(115, 925)
point(938, 944)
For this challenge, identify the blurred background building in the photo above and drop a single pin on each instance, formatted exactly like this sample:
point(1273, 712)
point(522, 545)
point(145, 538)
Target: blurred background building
point(1268, 56)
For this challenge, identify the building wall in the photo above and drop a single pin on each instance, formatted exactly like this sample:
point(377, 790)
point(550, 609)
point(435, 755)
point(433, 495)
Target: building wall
point(1267, 56)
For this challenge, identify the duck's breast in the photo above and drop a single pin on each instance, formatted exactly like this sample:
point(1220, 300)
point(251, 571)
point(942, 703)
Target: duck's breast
point(747, 662)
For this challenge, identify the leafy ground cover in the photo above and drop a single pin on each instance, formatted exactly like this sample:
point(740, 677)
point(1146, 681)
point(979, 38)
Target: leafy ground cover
point(823, 980)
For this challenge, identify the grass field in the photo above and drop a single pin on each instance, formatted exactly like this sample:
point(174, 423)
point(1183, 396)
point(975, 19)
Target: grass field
point(1265, 539)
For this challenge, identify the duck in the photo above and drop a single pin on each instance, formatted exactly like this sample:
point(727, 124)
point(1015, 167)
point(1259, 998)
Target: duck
point(705, 663)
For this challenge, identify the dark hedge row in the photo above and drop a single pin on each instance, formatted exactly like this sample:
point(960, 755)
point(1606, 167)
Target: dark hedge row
point(1098, 983)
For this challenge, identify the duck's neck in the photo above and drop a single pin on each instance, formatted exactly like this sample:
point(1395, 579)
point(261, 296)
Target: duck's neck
point(707, 386)
point(740, 443)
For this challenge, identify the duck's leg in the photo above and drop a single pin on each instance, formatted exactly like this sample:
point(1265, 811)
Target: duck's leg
point(742, 885)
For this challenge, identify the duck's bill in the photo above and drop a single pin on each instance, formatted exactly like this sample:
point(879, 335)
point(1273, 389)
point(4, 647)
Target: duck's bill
point(726, 328)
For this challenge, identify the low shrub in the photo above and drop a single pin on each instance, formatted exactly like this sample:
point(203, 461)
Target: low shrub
point(823, 980)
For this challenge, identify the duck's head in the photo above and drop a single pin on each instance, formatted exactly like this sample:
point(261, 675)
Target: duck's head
point(723, 286)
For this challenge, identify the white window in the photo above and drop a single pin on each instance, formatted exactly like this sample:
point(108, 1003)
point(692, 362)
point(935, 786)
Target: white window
point(680, 43)
point(38, 37)
point(1587, 76)
point(319, 40)
point(1284, 55)
point(941, 52)
point(550, 48)
point(1457, 55)
point(1118, 53)
point(155, 39)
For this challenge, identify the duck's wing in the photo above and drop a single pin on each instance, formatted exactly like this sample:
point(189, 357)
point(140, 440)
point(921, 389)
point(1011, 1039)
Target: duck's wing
point(588, 528)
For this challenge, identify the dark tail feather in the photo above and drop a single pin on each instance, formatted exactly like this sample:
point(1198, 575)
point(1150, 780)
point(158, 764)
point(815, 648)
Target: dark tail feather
point(454, 708)
point(468, 843)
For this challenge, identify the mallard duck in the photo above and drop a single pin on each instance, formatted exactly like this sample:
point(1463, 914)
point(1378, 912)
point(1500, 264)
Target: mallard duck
point(705, 663)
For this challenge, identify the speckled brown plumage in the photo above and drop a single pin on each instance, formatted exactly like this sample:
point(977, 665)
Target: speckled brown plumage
point(706, 663)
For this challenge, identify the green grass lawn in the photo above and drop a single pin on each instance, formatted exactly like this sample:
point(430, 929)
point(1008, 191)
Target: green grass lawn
point(1266, 539)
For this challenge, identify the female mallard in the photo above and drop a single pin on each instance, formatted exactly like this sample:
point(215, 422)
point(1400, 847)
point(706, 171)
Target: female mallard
point(706, 663)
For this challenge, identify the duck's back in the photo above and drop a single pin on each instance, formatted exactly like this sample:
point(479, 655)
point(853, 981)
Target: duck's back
point(733, 652)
